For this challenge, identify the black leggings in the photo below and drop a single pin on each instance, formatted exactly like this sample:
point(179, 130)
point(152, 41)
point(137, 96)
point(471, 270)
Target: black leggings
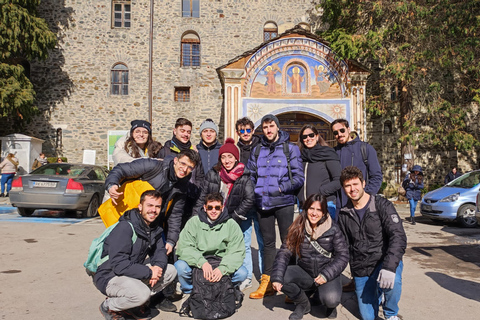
point(297, 280)
point(266, 220)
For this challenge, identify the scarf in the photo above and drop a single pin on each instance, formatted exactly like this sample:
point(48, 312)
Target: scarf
point(229, 178)
point(319, 153)
point(180, 145)
point(43, 161)
point(320, 229)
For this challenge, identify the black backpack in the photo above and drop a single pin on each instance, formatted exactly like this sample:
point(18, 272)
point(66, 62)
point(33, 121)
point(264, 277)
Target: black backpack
point(212, 300)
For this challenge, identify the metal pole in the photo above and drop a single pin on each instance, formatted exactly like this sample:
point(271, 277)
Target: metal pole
point(150, 65)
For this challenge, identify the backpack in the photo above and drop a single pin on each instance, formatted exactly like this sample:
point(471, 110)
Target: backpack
point(286, 151)
point(363, 149)
point(94, 259)
point(211, 300)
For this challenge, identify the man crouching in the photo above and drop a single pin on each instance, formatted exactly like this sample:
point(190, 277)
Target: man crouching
point(124, 278)
point(211, 233)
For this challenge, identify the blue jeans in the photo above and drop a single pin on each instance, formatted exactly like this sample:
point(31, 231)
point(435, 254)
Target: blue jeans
point(184, 272)
point(413, 206)
point(332, 209)
point(369, 295)
point(246, 226)
point(7, 178)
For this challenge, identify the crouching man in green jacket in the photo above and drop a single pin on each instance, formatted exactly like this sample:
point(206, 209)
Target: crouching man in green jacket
point(211, 233)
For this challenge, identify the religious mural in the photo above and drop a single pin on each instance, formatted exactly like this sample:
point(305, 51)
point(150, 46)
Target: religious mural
point(294, 76)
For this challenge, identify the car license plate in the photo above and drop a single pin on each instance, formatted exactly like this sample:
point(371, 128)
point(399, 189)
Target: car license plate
point(427, 208)
point(44, 184)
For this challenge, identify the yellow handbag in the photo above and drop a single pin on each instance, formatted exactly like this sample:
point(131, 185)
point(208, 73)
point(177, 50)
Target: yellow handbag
point(130, 199)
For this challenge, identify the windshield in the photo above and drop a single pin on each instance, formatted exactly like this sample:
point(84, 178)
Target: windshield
point(63, 169)
point(468, 180)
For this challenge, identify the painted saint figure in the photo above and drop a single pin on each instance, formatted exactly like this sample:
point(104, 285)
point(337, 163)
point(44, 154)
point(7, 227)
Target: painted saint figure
point(271, 83)
point(296, 80)
point(321, 77)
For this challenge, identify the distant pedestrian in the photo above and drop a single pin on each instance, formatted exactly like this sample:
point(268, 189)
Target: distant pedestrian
point(59, 160)
point(322, 254)
point(138, 143)
point(377, 242)
point(322, 168)
point(209, 145)
point(452, 175)
point(41, 160)
point(9, 168)
point(413, 185)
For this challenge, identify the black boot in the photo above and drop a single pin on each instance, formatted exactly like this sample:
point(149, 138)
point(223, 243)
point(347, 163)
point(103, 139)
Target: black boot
point(2, 195)
point(331, 313)
point(412, 219)
point(302, 306)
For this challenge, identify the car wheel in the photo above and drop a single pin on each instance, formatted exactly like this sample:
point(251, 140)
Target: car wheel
point(92, 209)
point(25, 212)
point(466, 216)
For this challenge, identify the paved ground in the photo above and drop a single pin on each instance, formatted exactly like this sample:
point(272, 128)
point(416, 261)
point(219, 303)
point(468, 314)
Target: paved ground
point(42, 277)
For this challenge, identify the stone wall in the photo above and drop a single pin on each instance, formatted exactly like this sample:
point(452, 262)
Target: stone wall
point(73, 85)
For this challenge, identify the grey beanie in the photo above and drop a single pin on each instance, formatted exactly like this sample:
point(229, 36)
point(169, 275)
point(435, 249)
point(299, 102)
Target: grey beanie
point(208, 124)
point(270, 118)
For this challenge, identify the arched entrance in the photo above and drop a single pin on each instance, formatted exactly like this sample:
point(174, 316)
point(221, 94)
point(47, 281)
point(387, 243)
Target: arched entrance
point(292, 122)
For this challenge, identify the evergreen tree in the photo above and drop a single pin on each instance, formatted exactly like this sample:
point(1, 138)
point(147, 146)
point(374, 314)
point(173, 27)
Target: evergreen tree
point(23, 37)
point(426, 53)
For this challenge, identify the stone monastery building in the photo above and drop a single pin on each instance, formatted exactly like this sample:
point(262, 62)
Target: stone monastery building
point(122, 60)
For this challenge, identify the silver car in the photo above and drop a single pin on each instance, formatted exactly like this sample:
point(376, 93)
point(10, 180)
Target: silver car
point(61, 186)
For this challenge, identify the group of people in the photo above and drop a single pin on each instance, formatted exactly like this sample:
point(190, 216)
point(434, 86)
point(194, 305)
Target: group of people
point(208, 199)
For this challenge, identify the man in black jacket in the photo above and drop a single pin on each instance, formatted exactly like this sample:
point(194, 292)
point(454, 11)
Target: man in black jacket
point(246, 143)
point(124, 278)
point(377, 243)
point(170, 177)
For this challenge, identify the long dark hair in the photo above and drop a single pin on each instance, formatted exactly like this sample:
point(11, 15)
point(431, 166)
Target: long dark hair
point(320, 141)
point(153, 147)
point(296, 232)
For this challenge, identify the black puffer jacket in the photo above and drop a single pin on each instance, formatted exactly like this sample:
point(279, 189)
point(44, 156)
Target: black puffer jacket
point(241, 198)
point(246, 149)
point(161, 175)
point(378, 238)
point(126, 258)
point(311, 260)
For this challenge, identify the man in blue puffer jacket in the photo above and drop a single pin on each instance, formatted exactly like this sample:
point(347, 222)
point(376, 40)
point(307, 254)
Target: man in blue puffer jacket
point(274, 191)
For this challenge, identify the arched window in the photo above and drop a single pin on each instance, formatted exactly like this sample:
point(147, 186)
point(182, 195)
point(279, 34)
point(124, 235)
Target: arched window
point(270, 31)
point(119, 79)
point(190, 56)
point(191, 8)
point(387, 127)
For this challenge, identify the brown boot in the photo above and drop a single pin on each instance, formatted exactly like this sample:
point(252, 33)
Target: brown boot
point(264, 289)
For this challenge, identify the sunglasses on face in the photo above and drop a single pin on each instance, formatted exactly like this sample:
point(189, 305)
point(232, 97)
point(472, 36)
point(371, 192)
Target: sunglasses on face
point(218, 208)
point(305, 136)
point(242, 131)
point(335, 133)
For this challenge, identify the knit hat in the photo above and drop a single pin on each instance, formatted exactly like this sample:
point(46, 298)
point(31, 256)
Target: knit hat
point(141, 123)
point(270, 118)
point(208, 124)
point(229, 147)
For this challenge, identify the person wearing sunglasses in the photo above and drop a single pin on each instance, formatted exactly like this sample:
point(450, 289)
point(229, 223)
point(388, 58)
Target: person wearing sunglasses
point(321, 168)
point(354, 152)
point(211, 233)
point(247, 141)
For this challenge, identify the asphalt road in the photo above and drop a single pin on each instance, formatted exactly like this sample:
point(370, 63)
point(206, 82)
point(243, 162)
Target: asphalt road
point(42, 277)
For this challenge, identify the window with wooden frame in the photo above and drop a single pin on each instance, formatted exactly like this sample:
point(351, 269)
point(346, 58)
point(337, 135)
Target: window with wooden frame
point(119, 80)
point(190, 55)
point(270, 31)
point(121, 13)
point(182, 94)
point(191, 8)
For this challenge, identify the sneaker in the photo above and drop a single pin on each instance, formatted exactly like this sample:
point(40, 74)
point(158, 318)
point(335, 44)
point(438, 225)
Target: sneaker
point(109, 314)
point(166, 305)
point(140, 313)
point(247, 283)
point(2, 195)
point(393, 318)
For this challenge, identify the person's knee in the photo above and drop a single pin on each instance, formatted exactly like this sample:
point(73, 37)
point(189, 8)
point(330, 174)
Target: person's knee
point(170, 273)
point(182, 268)
point(331, 299)
point(142, 296)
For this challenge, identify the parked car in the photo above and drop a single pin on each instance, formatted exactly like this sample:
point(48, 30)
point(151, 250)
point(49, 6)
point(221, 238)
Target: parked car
point(61, 186)
point(477, 213)
point(454, 201)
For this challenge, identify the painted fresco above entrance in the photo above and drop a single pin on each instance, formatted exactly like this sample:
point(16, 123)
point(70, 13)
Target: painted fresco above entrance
point(294, 76)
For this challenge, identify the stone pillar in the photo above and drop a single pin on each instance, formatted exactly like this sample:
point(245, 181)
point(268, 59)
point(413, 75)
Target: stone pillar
point(232, 79)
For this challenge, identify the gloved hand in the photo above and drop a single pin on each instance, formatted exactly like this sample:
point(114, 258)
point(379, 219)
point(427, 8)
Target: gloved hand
point(386, 279)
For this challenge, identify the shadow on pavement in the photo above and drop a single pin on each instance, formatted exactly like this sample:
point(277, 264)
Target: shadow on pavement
point(465, 288)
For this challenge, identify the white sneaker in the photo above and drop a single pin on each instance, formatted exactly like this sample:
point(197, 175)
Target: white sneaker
point(393, 318)
point(247, 283)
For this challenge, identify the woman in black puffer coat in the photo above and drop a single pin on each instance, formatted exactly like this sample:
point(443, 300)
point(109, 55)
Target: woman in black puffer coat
point(322, 256)
point(230, 178)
